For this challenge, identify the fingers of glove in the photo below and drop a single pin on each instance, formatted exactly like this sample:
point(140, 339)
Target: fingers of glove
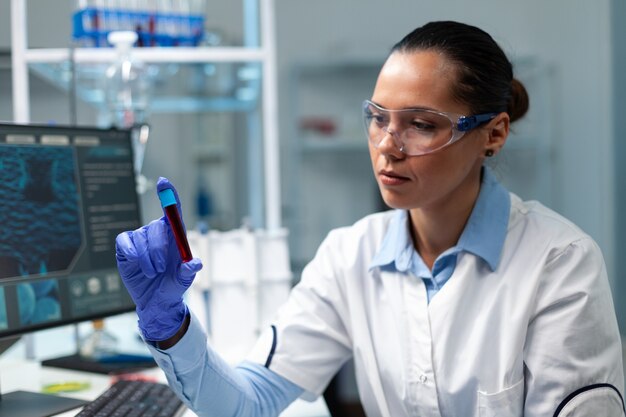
point(158, 241)
point(126, 255)
point(188, 271)
point(164, 184)
point(146, 249)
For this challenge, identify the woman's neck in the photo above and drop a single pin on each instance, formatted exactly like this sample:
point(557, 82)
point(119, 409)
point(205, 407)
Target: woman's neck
point(436, 229)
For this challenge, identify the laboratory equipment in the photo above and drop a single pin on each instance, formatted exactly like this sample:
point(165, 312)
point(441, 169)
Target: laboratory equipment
point(127, 85)
point(127, 88)
point(245, 279)
point(66, 192)
point(168, 202)
point(137, 398)
point(157, 23)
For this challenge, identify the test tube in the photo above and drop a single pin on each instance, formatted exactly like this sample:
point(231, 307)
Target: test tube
point(168, 202)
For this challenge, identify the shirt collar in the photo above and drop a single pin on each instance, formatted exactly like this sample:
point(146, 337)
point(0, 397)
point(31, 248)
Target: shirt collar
point(486, 228)
point(396, 241)
point(483, 235)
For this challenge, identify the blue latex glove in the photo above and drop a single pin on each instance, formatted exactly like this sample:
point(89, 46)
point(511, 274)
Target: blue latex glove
point(151, 268)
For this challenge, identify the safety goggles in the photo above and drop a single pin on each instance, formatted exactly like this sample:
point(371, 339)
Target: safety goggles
point(418, 131)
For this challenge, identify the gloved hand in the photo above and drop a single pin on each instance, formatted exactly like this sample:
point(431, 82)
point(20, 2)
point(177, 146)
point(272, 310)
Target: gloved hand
point(151, 268)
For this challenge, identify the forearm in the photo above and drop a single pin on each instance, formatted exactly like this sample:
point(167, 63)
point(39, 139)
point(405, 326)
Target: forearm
point(209, 386)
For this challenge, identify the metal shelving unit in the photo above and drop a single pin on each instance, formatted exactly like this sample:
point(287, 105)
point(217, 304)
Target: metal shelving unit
point(25, 59)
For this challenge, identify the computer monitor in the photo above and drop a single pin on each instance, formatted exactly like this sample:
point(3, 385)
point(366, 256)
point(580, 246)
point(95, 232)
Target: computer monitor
point(65, 194)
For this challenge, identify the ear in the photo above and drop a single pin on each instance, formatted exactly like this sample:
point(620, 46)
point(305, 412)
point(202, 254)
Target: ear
point(498, 130)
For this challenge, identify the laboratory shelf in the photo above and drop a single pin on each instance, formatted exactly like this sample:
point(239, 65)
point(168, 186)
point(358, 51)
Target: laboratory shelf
point(242, 94)
point(254, 92)
point(148, 54)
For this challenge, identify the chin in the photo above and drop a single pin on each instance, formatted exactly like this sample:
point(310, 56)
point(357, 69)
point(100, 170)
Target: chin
point(396, 203)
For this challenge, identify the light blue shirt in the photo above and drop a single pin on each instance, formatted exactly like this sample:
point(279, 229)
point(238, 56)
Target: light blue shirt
point(483, 236)
point(211, 387)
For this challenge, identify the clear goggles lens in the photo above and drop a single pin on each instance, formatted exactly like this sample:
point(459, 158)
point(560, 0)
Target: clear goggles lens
point(417, 131)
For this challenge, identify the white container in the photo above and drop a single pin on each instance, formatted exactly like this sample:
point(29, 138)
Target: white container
point(246, 277)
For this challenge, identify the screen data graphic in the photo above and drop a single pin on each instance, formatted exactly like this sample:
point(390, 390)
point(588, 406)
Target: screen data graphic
point(66, 193)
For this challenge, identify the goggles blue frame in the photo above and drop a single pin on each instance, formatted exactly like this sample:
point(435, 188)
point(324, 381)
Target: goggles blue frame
point(459, 125)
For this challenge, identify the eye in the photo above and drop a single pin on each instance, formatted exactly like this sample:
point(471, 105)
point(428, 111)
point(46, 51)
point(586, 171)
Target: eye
point(380, 119)
point(423, 125)
point(376, 117)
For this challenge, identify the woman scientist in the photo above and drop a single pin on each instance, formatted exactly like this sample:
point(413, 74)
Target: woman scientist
point(462, 301)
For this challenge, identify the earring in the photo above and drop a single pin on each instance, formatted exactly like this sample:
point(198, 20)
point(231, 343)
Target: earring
point(489, 153)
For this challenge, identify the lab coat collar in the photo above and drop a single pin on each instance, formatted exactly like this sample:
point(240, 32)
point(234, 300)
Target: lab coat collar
point(483, 235)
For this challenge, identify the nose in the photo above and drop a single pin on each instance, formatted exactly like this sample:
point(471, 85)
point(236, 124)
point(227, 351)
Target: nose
point(390, 143)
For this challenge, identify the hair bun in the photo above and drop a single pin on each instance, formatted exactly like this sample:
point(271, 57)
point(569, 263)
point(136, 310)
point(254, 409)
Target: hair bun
point(518, 103)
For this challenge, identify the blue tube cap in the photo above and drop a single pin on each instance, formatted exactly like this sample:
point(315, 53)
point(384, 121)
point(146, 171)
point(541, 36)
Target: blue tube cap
point(167, 197)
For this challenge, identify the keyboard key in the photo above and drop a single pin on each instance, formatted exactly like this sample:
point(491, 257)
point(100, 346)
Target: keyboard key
point(135, 399)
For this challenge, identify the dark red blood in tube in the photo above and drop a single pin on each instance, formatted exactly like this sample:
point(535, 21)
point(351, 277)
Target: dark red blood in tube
point(179, 232)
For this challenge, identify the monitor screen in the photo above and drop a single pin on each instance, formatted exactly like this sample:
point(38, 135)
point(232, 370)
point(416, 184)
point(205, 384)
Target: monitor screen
point(65, 194)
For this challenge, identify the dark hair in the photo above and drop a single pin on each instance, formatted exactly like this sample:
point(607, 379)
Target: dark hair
point(485, 75)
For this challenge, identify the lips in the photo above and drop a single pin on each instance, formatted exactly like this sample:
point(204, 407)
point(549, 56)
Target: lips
point(391, 178)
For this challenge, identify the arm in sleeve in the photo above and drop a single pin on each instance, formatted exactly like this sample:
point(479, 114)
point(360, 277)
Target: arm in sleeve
point(210, 387)
point(572, 353)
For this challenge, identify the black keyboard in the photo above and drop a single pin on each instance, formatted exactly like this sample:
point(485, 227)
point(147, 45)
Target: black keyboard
point(135, 399)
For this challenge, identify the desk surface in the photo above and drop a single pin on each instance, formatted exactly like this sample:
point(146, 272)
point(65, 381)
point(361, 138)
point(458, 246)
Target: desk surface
point(31, 376)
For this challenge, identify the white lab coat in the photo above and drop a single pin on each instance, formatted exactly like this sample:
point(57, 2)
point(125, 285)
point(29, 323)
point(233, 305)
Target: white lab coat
point(536, 335)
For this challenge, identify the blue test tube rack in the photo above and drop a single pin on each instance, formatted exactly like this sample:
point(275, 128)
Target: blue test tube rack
point(92, 25)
